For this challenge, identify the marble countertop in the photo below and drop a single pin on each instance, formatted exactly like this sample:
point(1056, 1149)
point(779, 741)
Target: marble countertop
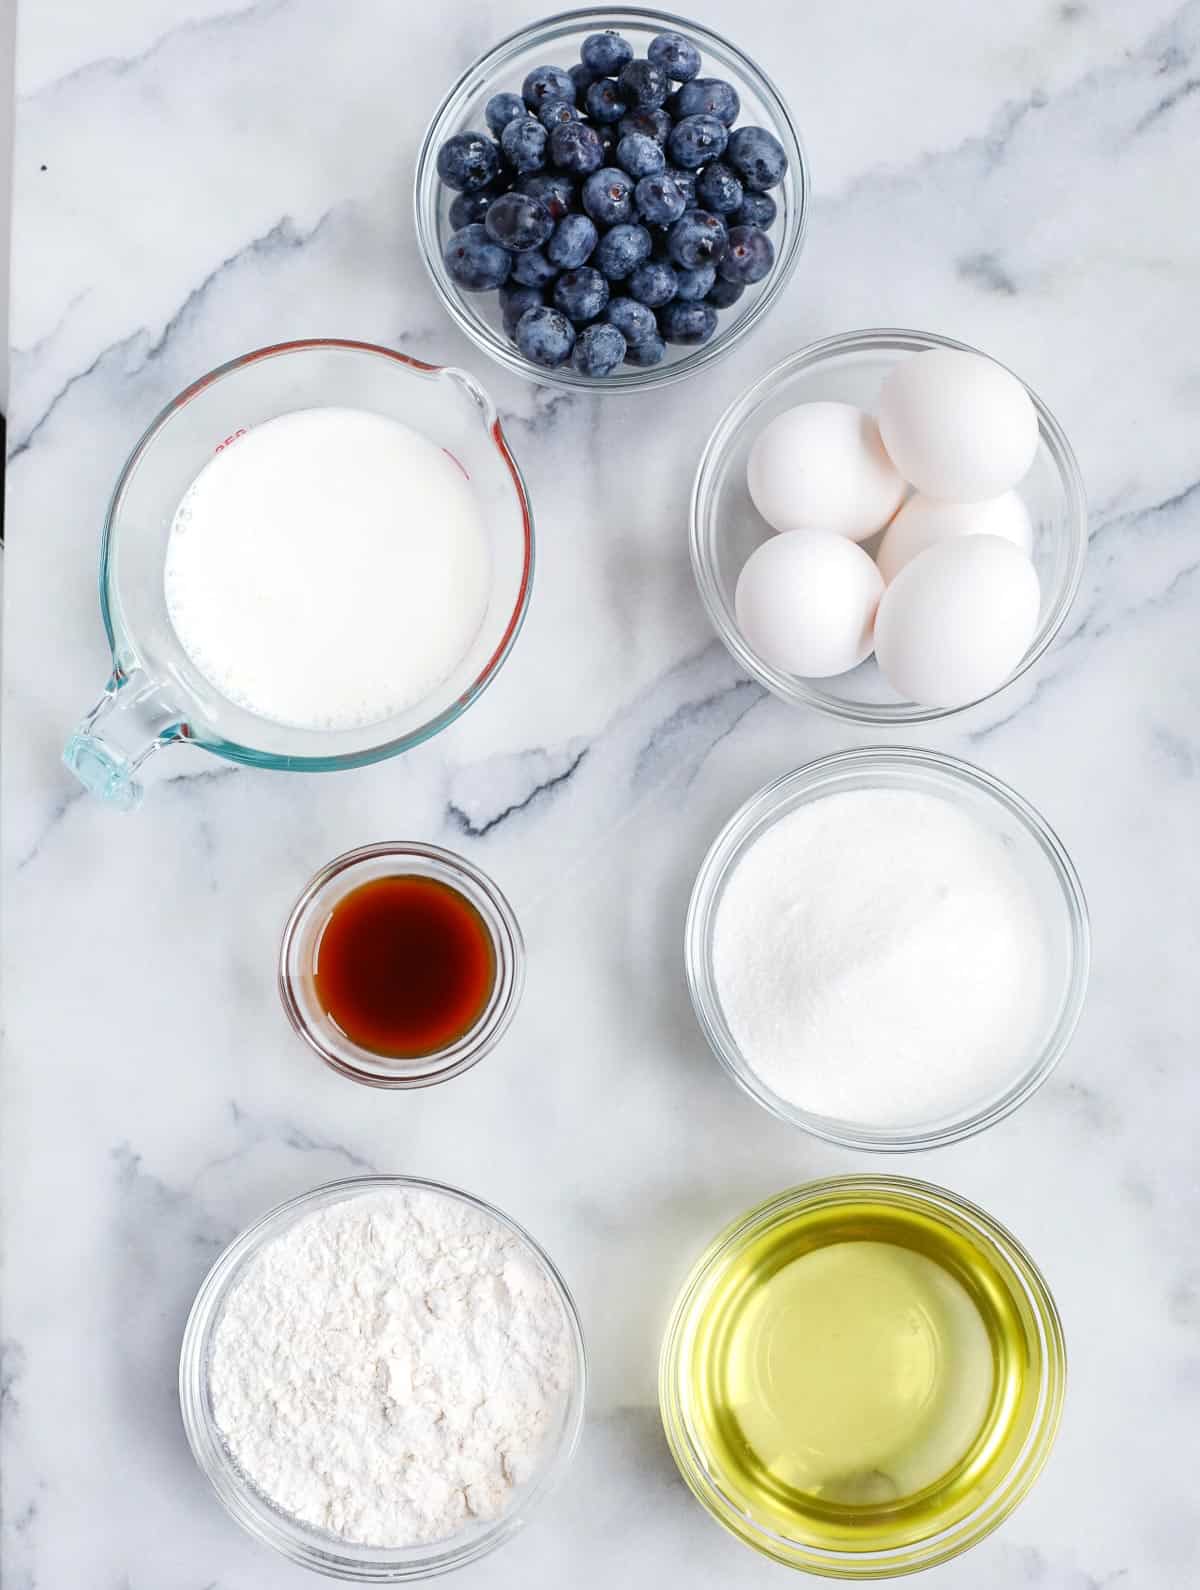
point(198, 177)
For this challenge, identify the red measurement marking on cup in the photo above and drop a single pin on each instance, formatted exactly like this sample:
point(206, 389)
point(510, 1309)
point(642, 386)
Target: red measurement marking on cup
point(453, 460)
point(221, 446)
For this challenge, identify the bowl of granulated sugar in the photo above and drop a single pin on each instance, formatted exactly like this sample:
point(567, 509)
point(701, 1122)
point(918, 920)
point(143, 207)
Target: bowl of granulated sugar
point(888, 948)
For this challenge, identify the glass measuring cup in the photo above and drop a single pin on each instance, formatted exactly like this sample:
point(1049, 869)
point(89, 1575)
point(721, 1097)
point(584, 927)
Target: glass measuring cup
point(155, 696)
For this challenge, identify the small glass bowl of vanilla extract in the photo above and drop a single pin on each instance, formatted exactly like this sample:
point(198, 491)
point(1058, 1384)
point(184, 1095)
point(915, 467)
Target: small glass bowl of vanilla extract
point(401, 964)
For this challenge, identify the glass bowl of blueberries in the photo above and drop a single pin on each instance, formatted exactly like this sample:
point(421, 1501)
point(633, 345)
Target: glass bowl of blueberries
point(611, 199)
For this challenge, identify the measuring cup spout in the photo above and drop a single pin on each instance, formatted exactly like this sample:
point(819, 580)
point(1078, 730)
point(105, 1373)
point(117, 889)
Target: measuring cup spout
point(126, 726)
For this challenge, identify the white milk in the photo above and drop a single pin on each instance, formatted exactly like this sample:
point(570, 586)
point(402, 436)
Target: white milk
point(328, 569)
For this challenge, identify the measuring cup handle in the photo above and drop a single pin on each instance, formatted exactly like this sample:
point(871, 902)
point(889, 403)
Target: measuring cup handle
point(125, 727)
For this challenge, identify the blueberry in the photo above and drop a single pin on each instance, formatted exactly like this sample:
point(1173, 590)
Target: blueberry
point(545, 336)
point(723, 294)
point(553, 188)
point(524, 144)
point(659, 200)
point(605, 53)
point(749, 257)
point(678, 57)
point(581, 293)
point(758, 158)
point(622, 249)
point(644, 85)
point(581, 76)
point(634, 321)
point(574, 239)
point(756, 209)
point(698, 238)
point(468, 161)
point(717, 190)
point(640, 155)
point(475, 263)
point(514, 301)
point(608, 196)
point(653, 283)
point(706, 96)
point(466, 208)
point(649, 351)
point(533, 269)
point(598, 350)
point(501, 109)
point(696, 140)
point(546, 82)
point(517, 222)
point(695, 284)
point(576, 147)
point(685, 181)
point(654, 124)
point(605, 102)
point(687, 323)
point(556, 111)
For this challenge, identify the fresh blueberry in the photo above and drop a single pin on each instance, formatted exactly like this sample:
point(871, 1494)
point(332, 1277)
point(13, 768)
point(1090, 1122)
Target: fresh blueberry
point(654, 124)
point(581, 293)
point(634, 321)
point(748, 259)
point(678, 57)
point(644, 85)
point(545, 336)
point(687, 323)
point(546, 82)
point(641, 155)
point(717, 190)
point(466, 208)
point(553, 188)
point(706, 96)
point(685, 181)
point(756, 209)
point(556, 111)
point(695, 284)
point(475, 263)
point(598, 350)
point(581, 76)
point(605, 53)
point(514, 301)
point(533, 269)
point(758, 158)
point(723, 294)
point(622, 249)
point(608, 196)
point(659, 200)
point(653, 283)
point(647, 352)
point(574, 239)
point(605, 102)
point(524, 144)
point(468, 161)
point(576, 147)
point(517, 222)
point(698, 238)
point(501, 109)
point(696, 140)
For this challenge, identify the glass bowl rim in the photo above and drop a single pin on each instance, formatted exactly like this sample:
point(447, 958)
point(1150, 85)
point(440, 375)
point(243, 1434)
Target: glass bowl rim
point(294, 1540)
point(759, 812)
point(938, 1202)
point(710, 474)
point(483, 70)
point(503, 929)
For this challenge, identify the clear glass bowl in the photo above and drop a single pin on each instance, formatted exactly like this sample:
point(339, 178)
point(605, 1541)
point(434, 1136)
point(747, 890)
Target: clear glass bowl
point(1045, 1356)
point(726, 526)
point(302, 938)
point(298, 1542)
point(556, 41)
point(1032, 846)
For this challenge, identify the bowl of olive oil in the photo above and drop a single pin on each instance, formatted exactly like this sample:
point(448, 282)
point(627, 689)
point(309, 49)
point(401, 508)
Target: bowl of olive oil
point(862, 1377)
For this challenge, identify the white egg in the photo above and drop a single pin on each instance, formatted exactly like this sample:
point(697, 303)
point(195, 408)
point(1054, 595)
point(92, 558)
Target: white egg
point(957, 425)
point(806, 601)
point(957, 620)
point(924, 520)
point(824, 464)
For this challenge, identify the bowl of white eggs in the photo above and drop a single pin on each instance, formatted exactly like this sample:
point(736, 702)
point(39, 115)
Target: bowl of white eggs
point(889, 526)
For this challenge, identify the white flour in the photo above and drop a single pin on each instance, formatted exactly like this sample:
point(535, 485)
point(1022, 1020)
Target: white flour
point(390, 1367)
point(879, 957)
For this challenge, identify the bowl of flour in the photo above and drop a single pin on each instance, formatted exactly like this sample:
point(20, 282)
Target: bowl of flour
point(382, 1377)
point(888, 948)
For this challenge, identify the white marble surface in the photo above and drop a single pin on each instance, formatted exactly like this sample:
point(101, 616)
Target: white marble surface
point(195, 177)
